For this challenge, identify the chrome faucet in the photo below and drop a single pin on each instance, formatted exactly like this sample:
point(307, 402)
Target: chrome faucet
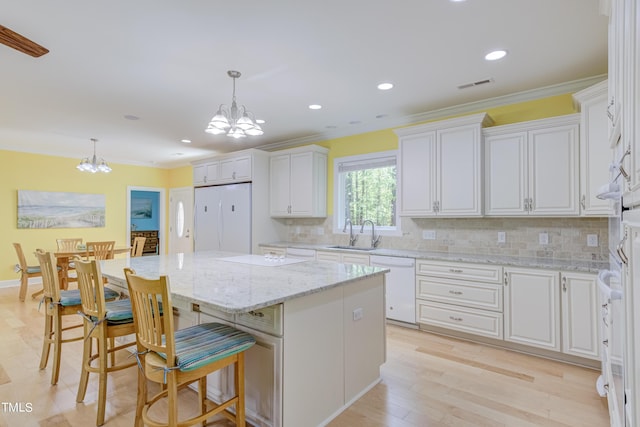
point(375, 240)
point(352, 237)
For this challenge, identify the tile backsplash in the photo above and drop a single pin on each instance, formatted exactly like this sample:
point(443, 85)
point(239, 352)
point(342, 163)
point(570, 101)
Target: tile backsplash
point(567, 237)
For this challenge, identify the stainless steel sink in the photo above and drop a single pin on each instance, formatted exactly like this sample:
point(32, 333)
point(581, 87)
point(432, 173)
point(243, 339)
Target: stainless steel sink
point(351, 248)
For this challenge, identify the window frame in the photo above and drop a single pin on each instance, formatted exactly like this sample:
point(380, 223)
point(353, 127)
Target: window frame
point(338, 223)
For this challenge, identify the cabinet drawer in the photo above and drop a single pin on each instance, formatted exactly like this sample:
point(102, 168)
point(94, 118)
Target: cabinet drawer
point(355, 259)
point(485, 296)
point(458, 270)
point(212, 312)
point(267, 319)
point(478, 322)
point(328, 256)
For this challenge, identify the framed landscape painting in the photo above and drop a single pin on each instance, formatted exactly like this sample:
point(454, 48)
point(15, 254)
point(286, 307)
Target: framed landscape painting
point(45, 209)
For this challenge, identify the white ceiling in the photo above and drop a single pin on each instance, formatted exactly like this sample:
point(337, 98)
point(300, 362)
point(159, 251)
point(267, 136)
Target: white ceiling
point(166, 62)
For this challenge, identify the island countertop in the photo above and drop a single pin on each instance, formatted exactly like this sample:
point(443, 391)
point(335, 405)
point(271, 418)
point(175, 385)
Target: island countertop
point(236, 283)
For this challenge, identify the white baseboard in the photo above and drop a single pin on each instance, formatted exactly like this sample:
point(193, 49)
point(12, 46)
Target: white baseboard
point(16, 282)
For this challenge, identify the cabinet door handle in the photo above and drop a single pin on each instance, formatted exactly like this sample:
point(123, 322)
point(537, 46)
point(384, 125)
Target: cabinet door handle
point(456, 270)
point(530, 204)
point(455, 292)
point(609, 113)
point(506, 278)
point(526, 205)
point(256, 313)
point(583, 201)
point(564, 283)
point(456, 319)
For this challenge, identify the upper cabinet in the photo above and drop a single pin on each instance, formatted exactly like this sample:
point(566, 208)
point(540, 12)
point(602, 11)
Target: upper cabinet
point(226, 169)
point(298, 183)
point(595, 152)
point(441, 167)
point(532, 168)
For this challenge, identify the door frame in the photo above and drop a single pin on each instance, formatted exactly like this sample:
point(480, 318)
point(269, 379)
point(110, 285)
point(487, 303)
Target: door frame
point(162, 224)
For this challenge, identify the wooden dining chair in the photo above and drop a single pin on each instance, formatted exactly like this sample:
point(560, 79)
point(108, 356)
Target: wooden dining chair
point(26, 272)
point(177, 358)
point(104, 321)
point(138, 246)
point(58, 304)
point(69, 245)
point(99, 250)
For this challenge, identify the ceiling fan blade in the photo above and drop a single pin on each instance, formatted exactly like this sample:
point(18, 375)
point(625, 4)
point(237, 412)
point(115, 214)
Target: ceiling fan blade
point(23, 44)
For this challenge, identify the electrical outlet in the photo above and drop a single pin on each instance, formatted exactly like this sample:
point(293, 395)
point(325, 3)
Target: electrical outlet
point(543, 238)
point(357, 314)
point(592, 240)
point(502, 237)
point(429, 234)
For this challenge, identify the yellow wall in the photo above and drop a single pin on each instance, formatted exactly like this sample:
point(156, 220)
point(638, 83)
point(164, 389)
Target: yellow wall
point(23, 171)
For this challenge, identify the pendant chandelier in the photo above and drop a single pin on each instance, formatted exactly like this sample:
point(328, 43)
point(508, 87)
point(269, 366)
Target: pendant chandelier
point(93, 165)
point(235, 122)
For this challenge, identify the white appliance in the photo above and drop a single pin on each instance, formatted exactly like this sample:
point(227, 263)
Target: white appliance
point(611, 382)
point(400, 287)
point(222, 218)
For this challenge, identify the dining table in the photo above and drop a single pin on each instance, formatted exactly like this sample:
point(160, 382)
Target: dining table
point(63, 259)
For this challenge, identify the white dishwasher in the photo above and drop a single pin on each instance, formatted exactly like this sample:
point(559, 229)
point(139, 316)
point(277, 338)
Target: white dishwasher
point(400, 286)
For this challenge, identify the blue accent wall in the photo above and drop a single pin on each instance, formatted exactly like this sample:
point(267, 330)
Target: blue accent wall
point(145, 210)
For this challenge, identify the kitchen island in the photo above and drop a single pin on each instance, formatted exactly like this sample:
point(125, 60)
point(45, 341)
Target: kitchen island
point(319, 326)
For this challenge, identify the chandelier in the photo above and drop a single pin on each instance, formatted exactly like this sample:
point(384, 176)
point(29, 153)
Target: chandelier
point(235, 122)
point(93, 165)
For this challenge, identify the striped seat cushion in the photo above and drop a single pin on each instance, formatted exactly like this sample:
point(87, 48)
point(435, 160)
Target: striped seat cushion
point(200, 345)
point(119, 311)
point(72, 297)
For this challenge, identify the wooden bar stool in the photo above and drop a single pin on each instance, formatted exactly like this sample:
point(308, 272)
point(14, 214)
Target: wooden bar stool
point(103, 321)
point(57, 304)
point(178, 358)
point(26, 272)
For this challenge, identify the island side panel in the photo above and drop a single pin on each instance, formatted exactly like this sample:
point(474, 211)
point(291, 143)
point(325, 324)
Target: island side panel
point(365, 335)
point(313, 362)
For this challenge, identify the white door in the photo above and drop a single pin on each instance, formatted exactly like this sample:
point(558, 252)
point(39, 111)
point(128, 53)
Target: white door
point(180, 220)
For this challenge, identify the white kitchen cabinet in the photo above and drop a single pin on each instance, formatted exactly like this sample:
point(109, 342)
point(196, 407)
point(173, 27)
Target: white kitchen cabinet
point(532, 168)
point(298, 182)
point(532, 307)
point(440, 167)
point(205, 173)
point(343, 257)
point(460, 296)
point(580, 315)
point(226, 169)
point(236, 168)
point(274, 251)
point(183, 315)
point(595, 152)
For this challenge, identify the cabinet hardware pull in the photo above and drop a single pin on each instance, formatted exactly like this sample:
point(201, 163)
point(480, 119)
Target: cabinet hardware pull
point(564, 283)
point(530, 204)
point(606, 386)
point(456, 270)
point(456, 319)
point(456, 292)
point(583, 201)
point(620, 250)
point(506, 278)
point(606, 343)
point(256, 313)
point(176, 311)
point(609, 113)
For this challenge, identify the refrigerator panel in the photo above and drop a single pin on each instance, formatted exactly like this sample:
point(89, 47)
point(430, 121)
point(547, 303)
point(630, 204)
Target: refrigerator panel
point(234, 220)
point(205, 216)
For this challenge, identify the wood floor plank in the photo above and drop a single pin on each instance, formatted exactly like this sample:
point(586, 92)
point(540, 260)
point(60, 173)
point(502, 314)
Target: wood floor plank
point(428, 380)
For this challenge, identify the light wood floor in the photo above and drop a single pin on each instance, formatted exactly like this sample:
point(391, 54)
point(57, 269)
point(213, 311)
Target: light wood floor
point(428, 380)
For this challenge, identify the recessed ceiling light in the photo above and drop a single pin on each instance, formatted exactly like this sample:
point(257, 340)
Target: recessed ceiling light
point(381, 116)
point(385, 86)
point(315, 106)
point(131, 117)
point(496, 54)
point(185, 141)
point(457, 1)
point(355, 122)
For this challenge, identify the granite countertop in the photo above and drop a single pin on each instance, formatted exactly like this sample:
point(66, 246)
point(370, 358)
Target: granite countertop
point(512, 261)
point(236, 283)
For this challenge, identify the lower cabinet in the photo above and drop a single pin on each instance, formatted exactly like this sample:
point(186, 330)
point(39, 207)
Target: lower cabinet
point(548, 309)
point(464, 297)
point(532, 307)
point(342, 257)
point(580, 315)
